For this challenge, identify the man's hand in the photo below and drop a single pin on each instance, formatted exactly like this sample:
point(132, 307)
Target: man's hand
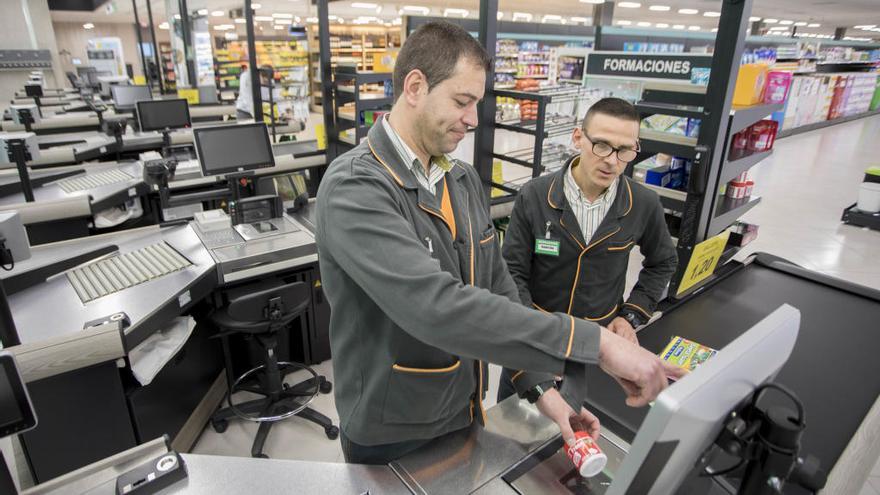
point(552, 405)
point(641, 373)
point(622, 327)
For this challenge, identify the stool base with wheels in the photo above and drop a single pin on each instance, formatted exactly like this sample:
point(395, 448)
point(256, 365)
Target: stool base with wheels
point(261, 315)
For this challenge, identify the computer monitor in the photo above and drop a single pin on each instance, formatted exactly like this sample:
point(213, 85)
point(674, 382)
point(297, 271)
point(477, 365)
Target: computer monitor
point(16, 411)
point(125, 97)
point(687, 417)
point(158, 115)
point(233, 148)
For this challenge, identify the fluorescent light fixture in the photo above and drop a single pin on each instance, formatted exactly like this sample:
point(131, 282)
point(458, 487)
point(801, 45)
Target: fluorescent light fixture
point(239, 20)
point(218, 13)
point(595, 2)
point(256, 6)
point(866, 27)
point(801, 23)
point(711, 14)
point(458, 12)
point(363, 5)
point(332, 17)
point(499, 15)
point(397, 21)
point(688, 11)
point(285, 21)
point(754, 19)
point(202, 12)
point(714, 30)
point(770, 21)
point(693, 28)
point(551, 17)
point(281, 15)
point(660, 8)
point(580, 20)
point(678, 26)
point(643, 24)
point(312, 20)
point(522, 16)
point(223, 27)
point(263, 18)
point(629, 5)
point(279, 27)
point(623, 23)
point(661, 25)
point(164, 26)
point(786, 22)
point(813, 25)
point(88, 25)
point(779, 28)
point(417, 8)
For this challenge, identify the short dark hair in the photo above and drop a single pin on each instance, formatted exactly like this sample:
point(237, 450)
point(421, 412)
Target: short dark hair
point(613, 107)
point(435, 48)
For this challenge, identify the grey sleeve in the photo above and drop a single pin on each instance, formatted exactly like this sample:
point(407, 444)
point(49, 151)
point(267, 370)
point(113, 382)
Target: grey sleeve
point(517, 250)
point(364, 230)
point(658, 267)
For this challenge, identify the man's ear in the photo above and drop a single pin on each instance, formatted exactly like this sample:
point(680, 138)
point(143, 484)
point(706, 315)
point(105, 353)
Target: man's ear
point(576, 138)
point(415, 85)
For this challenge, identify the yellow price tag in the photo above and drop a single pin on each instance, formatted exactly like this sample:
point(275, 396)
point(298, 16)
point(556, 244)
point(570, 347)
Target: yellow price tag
point(140, 80)
point(703, 261)
point(321, 136)
point(191, 95)
point(497, 177)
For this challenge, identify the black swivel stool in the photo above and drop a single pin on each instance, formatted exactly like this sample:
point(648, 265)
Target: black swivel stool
point(260, 315)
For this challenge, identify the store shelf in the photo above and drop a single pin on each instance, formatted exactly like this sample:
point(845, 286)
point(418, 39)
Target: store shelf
point(531, 77)
point(523, 62)
point(648, 108)
point(672, 144)
point(796, 58)
point(508, 71)
point(728, 211)
point(850, 62)
point(573, 81)
point(737, 164)
point(672, 199)
point(742, 117)
point(505, 86)
point(506, 55)
point(825, 123)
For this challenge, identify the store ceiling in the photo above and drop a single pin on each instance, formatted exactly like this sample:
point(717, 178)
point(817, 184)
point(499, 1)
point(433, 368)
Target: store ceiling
point(829, 14)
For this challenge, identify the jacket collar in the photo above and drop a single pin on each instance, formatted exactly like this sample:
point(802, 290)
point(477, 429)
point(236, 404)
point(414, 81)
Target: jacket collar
point(386, 154)
point(623, 201)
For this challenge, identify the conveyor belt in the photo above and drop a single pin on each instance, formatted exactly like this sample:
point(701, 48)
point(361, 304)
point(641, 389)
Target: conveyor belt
point(120, 272)
point(91, 181)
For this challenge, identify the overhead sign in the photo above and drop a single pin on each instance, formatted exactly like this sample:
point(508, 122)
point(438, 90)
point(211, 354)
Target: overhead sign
point(648, 65)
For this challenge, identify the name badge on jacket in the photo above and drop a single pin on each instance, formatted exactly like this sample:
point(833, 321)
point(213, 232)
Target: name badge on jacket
point(547, 247)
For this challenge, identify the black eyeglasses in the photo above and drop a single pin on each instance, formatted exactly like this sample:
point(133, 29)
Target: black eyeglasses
point(603, 150)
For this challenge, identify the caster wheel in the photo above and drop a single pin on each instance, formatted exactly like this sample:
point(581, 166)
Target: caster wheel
point(325, 387)
point(332, 432)
point(261, 456)
point(219, 425)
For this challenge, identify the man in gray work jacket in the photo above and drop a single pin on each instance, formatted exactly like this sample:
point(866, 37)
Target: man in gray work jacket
point(571, 232)
point(419, 293)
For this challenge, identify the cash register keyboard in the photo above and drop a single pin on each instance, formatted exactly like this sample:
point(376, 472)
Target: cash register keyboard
point(117, 273)
point(91, 181)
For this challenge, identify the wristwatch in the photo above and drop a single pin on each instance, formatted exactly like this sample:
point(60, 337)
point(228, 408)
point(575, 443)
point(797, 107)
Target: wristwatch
point(632, 318)
point(533, 394)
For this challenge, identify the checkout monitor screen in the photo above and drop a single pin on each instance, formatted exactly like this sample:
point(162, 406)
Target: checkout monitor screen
point(233, 148)
point(159, 115)
point(16, 412)
point(125, 97)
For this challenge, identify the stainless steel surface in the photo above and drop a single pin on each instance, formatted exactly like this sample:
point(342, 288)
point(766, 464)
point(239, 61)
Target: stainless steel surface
point(468, 460)
point(68, 313)
point(270, 227)
point(94, 176)
point(117, 273)
point(90, 181)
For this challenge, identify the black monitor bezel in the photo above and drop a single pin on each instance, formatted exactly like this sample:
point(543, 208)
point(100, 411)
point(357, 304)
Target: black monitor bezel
point(127, 107)
point(137, 106)
point(230, 170)
point(29, 417)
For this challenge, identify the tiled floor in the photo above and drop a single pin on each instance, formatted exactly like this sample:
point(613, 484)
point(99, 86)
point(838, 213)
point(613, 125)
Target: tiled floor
point(805, 185)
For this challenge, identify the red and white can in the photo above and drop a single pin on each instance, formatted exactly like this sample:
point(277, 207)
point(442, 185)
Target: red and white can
point(586, 455)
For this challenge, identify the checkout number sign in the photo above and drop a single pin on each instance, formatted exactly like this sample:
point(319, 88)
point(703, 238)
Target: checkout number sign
point(703, 261)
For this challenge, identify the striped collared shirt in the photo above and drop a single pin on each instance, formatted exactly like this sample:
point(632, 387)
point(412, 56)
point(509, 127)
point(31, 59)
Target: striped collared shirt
point(589, 214)
point(439, 164)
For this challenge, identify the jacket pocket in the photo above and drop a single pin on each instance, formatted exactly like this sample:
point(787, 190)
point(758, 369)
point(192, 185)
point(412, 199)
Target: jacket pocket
point(487, 237)
point(621, 246)
point(420, 395)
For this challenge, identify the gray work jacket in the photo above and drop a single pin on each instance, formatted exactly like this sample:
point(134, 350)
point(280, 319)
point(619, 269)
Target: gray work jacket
point(586, 279)
point(420, 297)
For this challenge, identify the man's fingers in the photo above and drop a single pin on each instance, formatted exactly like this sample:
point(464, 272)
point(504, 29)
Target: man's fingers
point(567, 432)
point(674, 372)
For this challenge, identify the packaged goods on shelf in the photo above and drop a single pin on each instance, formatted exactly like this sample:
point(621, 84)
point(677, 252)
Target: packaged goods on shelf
point(778, 84)
point(750, 84)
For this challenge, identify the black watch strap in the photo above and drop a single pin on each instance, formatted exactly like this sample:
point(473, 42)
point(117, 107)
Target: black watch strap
point(533, 394)
point(633, 317)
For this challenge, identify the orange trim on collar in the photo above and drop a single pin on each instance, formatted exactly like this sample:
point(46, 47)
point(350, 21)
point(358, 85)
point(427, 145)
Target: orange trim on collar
point(629, 189)
point(446, 209)
point(549, 192)
point(376, 155)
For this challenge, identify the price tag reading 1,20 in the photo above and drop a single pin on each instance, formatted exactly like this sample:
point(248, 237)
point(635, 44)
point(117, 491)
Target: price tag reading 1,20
point(703, 261)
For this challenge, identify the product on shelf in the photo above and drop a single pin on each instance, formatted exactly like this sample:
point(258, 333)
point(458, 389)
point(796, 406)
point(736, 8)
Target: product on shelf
point(778, 84)
point(756, 138)
point(750, 84)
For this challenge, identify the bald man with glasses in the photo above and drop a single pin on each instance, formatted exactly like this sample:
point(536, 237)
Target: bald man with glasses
point(571, 232)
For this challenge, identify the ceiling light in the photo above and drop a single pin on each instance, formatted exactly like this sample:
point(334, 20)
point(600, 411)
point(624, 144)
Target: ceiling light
point(239, 20)
point(279, 15)
point(813, 25)
point(688, 11)
point(771, 21)
point(779, 28)
point(551, 17)
point(693, 28)
point(678, 26)
point(714, 30)
point(629, 5)
point(624, 23)
point(417, 8)
point(397, 22)
point(801, 23)
point(522, 16)
point(659, 8)
point(499, 15)
point(754, 19)
point(218, 13)
point(711, 14)
point(264, 18)
point(280, 26)
point(580, 20)
point(164, 26)
point(866, 26)
point(202, 12)
point(362, 5)
point(643, 24)
point(596, 2)
point(661, 25)
point(286, 21)
point(256, 6)
point(312, 20)
point(88, 25)
point(449, 12)
point(786, 22)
